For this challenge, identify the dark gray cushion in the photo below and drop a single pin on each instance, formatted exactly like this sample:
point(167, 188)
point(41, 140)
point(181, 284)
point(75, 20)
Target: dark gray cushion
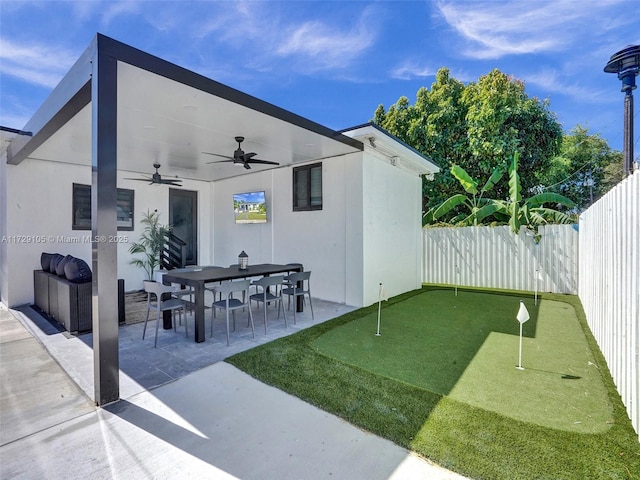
point(77, 270)
point(60, 267)
point(45, 261)
point(55, 259)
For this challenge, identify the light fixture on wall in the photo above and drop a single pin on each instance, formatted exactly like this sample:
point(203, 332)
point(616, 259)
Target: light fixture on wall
point(243, 261)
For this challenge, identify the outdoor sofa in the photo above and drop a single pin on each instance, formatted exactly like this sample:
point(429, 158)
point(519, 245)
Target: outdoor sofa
point(63, 291)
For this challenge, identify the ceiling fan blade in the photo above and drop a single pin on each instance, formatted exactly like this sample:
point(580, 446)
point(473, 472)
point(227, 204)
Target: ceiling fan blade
point(175, 183)
point(265, 162)
point(225, 161)
point(218, 155)
point(247, 156)
point(140, 179)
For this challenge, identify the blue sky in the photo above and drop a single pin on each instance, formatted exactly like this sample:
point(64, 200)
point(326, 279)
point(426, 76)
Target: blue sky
point(335, 62)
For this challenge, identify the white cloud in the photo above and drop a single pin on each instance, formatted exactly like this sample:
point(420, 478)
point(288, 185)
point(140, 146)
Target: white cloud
point(553, 81)
point(408, 71)
point(113, 10)
point(496, 29)
point(41, 65)
point(315, 45)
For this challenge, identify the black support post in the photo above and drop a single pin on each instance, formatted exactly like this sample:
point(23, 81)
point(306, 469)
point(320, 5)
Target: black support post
point(104, 228)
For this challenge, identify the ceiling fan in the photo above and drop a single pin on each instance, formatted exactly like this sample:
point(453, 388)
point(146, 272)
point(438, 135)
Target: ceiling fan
point(241, 158)
point(157, 178)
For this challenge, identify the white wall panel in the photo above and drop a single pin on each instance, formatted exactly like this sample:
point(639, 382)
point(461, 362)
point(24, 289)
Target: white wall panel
point(494, 257)
point(392, 224)
point(609, 288)
point(38, 213)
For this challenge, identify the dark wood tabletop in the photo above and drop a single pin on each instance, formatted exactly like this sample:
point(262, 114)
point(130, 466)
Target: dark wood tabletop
point(199, 276)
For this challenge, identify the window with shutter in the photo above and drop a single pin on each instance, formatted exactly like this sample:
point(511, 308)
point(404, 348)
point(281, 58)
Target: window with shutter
point(307, 187)
point(81, 216)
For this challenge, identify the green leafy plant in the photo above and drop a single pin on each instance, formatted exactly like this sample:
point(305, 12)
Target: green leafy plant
point(477, 206)
point(531, 213)
point(151, 243)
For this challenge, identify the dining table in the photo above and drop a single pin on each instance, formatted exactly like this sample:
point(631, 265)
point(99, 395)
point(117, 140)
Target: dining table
point(198, 277)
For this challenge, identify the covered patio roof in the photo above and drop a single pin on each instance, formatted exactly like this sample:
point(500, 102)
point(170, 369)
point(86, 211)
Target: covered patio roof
point(170, 115)
point(119, 108)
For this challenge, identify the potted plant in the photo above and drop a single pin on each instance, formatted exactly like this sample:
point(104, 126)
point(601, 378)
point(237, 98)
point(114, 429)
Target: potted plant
point(151, 243)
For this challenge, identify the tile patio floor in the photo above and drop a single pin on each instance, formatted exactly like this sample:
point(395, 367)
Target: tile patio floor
point(143, 367)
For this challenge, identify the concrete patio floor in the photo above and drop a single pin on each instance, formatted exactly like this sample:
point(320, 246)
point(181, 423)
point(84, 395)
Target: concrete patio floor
point(183, 412)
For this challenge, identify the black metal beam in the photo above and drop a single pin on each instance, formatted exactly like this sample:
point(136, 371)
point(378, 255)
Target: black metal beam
point(104, 121)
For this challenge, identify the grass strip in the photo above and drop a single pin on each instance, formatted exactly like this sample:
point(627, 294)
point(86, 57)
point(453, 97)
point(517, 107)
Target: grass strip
point(472, 441)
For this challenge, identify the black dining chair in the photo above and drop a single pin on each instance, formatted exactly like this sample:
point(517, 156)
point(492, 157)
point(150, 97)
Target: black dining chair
point(297, 285)
point(268, 290)
point(230, 304)
point(173, 304)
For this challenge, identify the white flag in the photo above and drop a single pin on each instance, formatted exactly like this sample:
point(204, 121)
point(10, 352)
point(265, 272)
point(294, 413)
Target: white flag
point(523, 313)
point(383, 294)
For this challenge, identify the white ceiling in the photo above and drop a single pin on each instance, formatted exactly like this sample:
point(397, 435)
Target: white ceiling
point(165, 121)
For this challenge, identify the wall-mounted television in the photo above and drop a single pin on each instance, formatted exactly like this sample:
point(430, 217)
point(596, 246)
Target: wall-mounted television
point(250, 207)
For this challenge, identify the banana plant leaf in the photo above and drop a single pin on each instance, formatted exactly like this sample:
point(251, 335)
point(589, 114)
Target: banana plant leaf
point(554, 216)
point(496, 175)
point(468, 183)
point(480, 214)
point(549, 197)
point(448, 205)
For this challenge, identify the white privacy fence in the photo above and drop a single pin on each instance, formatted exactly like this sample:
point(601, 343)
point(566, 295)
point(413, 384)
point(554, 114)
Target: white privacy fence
point(493, 257)
point(609, 288)
point(599, 261)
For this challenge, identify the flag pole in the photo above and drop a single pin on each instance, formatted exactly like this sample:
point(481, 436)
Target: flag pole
point(457, 279)
point(519, 367)
point(379, 307)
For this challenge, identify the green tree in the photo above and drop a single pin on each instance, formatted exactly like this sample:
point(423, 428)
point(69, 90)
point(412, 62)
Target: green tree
point(476, 127)
point(584, 170)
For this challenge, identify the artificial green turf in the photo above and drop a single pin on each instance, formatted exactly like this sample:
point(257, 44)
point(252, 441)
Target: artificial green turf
point(466, 347)
point(476, 442)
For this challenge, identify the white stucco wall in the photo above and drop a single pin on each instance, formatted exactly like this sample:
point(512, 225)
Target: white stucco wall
point(229, 238)
point(392, 229)
point(39, 198)
point(320, 240)
point(38, 219)
point(368, 231)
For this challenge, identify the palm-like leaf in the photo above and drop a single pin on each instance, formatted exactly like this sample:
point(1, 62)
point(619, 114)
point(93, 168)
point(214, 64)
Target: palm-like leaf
point(468, 183)
point(478, 215)
point(514, 195)
point(542, 198)
point(150, 245)
point(448, 205)
point(554, 216)
point(496, 175)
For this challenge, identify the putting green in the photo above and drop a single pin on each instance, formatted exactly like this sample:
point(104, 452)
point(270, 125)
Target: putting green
point(466, 347)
